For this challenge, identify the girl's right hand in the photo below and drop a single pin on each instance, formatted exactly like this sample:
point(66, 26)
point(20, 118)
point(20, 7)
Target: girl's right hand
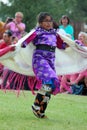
point(23, 45)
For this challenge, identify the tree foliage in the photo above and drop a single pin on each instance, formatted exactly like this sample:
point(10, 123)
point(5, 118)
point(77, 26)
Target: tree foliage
point(75, 9)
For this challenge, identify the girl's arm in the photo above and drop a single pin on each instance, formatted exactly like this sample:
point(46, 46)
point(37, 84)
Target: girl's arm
point(30, 37)
point(59, 42)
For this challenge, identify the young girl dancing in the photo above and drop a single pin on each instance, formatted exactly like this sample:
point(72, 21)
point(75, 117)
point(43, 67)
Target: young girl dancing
point(46, 39)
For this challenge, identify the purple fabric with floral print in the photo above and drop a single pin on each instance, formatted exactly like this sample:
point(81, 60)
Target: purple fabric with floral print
point(45, 37)
point(43, 61)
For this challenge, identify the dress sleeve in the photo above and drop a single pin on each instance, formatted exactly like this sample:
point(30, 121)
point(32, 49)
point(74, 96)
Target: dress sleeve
point(29, 38)
point(59, 42)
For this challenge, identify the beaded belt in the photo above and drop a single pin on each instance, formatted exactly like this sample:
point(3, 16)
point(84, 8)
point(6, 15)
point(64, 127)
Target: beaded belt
point(45, 47)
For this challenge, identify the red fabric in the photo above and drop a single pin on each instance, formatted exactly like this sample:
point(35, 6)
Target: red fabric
point(4, 48)
point(3, 45)
point(16, 81)
point(59, 42)
point(30, 38)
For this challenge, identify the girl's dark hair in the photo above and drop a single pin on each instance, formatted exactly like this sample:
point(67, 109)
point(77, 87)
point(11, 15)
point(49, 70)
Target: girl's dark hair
point(55, 25)
point(8, 32)
point(65, 17)
point(41, 16)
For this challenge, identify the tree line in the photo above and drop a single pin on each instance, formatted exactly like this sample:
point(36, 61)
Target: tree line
point(75, 9)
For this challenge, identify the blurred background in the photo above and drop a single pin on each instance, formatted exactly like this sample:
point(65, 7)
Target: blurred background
point(75, 9)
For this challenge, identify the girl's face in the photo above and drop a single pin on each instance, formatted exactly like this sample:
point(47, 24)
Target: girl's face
point(47, 23)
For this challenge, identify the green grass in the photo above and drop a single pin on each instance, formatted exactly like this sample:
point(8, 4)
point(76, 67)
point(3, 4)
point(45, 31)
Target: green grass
point(65, 112)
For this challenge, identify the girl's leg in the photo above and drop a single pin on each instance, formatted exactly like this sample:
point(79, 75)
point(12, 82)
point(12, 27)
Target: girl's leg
point(41, 101)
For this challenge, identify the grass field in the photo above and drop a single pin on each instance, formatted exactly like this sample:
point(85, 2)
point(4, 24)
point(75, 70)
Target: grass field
point(65, 112)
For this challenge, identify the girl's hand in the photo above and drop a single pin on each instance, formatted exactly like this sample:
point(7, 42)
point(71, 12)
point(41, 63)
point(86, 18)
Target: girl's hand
point(23, 45)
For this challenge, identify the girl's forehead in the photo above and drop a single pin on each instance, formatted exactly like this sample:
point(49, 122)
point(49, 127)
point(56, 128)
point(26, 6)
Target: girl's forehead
point(47, 17)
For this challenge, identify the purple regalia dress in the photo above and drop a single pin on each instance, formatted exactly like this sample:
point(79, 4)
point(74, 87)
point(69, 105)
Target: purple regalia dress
point(43, 63)
point(43, 60)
